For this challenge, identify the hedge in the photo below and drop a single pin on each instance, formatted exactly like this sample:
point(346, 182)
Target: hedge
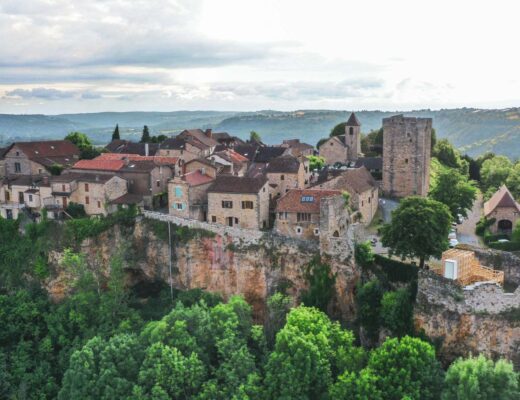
point(506, 246)
point(396, 271)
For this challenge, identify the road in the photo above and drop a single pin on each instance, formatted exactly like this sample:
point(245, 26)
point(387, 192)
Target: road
point(466, 230)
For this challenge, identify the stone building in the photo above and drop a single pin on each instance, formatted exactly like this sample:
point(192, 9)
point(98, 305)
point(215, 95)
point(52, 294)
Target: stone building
point(188, 195)
point(343, 148)
point(406, 156)
point(503, 208)
point(24, 194)
point(284, 173)
point(3, 150)
point(363, 190)
point(239, 201)
point(207, 167)
point(311, 213)
point(232, 163)
point(37, 158)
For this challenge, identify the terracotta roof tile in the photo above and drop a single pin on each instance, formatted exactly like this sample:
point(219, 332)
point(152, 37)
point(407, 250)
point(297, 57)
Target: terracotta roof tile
point(303, 200)
point(105, 165)
point(196, 178)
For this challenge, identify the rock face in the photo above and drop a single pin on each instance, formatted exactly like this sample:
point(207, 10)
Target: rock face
point(503, 261)
point(222, 264)
point(482, 319)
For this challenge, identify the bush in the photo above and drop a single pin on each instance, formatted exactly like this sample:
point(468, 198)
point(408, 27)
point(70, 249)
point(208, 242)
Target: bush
point(76, 210)
point(397, 312)
point(396, 271)
point(483, 224)
point(363, 254)
point(505, 246)
point(368, 302)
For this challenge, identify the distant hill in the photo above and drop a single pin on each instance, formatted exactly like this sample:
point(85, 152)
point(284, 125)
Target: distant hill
point(474, 131)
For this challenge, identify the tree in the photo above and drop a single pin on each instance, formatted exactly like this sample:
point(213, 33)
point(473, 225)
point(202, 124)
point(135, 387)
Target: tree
point(480, 378)
point(419, 228)
point(494, 172)
point(447, 154)
point(321, 285)
point(368, 303)
point(338, 130)
point(115, 135)
point(316, 162)
point(255, 137)
point(87, 150)
point(145, 138)
point(513, 180)
point(309, 352)
point(406, 367)
point(356, 386)
point(397, 312)
point(278, 306)
point(455, 191)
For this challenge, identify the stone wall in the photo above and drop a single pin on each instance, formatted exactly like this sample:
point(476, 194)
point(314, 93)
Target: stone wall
point(406, 156)
point(503, 261)
point(478, 320)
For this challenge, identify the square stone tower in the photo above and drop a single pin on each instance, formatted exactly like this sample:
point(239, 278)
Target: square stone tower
point(406, 156)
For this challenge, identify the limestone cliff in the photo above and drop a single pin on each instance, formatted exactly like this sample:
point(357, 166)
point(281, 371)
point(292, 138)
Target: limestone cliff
point(217, 263)
point(481, 319)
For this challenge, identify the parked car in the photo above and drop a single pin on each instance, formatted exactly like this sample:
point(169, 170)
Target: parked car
point(453, 243)
point(452, 235)
point(503, 240)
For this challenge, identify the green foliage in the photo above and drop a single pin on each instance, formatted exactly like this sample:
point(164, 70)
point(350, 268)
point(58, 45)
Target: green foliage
point(55, 169)
point(419, 228)
point(363, 254)
point(454, 190)
point(449, 156)
point(397, 312)
point(316, 162)
point(115, 135)
point(368, 305)
point(87, 150)
point(255, 137)
point(372, 143)
point(483, 224)
point(76, 210)
point(356, 386)
point(338, 130)
point(480, 378)
point(321, 285)
point(495, 172)
point(396, 271)
point(145, 138)
point(278, 306)
point(505, 246)
point(406, 367)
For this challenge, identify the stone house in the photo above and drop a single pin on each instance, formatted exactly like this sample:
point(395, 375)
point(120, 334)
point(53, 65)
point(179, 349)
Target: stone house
point(298, 149)
point(284, 173)
point(343, 148)
point(37, 158)
point(226, 141)
point(239, 201)
point(503, 208)
point(204, 137)
point(188, 195)
point(311, 214)
point(206, 167)
point(231, 162)
point(24, 194)
point(3, 150)
point(186, 148)
point(93, 191)
point(406, 156)
point(363, 190)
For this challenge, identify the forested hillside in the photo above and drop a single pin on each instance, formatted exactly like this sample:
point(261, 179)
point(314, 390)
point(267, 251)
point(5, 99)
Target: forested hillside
point(473, 131)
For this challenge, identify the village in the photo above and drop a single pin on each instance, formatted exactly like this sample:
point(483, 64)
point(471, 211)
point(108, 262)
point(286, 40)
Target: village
point(216, 179)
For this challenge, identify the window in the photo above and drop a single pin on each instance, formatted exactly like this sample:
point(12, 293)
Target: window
point(7, 196)
point(362, 203)
point(351, 131)
point(17, 153)
point(17, 167)
point(179, 206)
point(98, 204)
point(406, 160)
point(299, 230)
point(236, 220)
point(316, 231)
point(178, 191)
point(213, 218)
point(369, 200)
point(227, 204)
point(87, 200)
point(247, 205)
point(86, 187)
point(301, 217)
point(332, 144)
point(282, 177)
point(40, 170)
point(30, 197)
point(307, 199)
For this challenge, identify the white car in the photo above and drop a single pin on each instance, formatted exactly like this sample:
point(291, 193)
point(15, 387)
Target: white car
point(453, 242)
point(452, 235)
point(502, 240)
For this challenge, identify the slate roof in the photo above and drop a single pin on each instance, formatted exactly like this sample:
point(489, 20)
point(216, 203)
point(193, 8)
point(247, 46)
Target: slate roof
point(265, 154)
point(284, 164)
point(128, 198)
point(353, 121)
point(128, 147)
point(247, 150)
point(237, 184)
point(293, 200)
point(82, 177)
point(502, 198)
point(370, 163)
point(26, 180)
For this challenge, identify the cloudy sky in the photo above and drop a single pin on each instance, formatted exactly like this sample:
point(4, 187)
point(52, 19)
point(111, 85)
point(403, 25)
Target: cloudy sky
point(59, 56)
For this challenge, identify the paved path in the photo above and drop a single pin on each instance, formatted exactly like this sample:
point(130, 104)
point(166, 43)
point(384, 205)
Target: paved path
point(466, 230)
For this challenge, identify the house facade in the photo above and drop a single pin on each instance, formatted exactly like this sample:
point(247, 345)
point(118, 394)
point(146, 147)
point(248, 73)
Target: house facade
point(504, 209)
point(188, 195)
point(239, 201)
point(24, 194)
point(285, 173)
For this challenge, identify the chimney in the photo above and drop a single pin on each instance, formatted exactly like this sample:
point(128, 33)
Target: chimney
point(203, 171)
point(146, 149)
point(208, 132)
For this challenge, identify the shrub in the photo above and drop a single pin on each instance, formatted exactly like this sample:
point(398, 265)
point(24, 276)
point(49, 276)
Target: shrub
point(368, 302)
point(364, 254)
point(505, 246)
point(397, 312)
point(396, 271)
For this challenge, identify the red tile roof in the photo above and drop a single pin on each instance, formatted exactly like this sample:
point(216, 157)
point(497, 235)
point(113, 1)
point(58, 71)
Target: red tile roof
point(196, 178)
point(105, 165)
point(303, 200)
point(162, 160)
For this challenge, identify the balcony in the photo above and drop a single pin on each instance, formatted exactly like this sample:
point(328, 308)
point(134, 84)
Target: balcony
point(10, 205)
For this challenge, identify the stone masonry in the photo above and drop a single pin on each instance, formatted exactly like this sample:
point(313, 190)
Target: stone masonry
point(406, 156)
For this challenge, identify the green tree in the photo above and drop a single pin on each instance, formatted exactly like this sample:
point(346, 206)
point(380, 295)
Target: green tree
point(310, 351)
point(255, 137)
point(454, 190)
point(145, 138)
point(513, 180)
point(480, 378)
point(356, 386)
point(419, 228)
point(494, 172)
point(316, 162)
point(406, 367)
point(87, 150)
point(278, 306)
point(397, 312)
point(368, 303)
point(447, 154)
point(115, 135)
point(338, 130)
point(321, 282)
point(363, 254)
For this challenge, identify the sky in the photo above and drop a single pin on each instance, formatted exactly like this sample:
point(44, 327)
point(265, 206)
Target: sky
point(64, 56)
